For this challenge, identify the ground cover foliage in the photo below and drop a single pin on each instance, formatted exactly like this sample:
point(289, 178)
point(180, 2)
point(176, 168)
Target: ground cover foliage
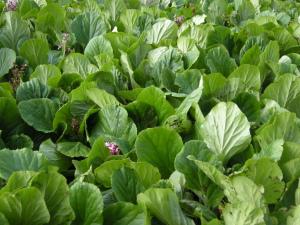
point(148, 112)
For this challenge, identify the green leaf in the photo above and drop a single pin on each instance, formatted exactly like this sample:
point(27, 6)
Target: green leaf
point(294, 218)
point(125, 213)
point(55, 190)
point(195, 178)
point(114, 8)
point(285, 91)
point(9, 114)
point(213, 85)
point(218, 60)
point(243, 213)
point(249, 105)
point(192, 98)
point(114, 125)
point(273, 151)
point(188, 47)
point(121, 42)
point(19, 141)
point(18, 160)
point(32, 89)
point(49, 150)
point(18, 180)
point(130, 20)
point(73, 149)
point(47, 74)
point(147, 174)
point(282, 126)
point(251, 56)
point(28, 9)
point(164, 205)
point(104, 172)
point(188, 80)
point(214, 175)
point(268, 174)
point(249, 77)
point(3, 220)
point(11, 208)
point(156, 98)
point(88, 25)
point(34, 209)
point(79, 64)
point(159, 146)
point(126, 185)
point(226, 130)
point(101, 97)
point(14, 32)
point(7, 60)
point(39, 113)
point(216, 11)
point(35, 51)
point(97, 46)
point(87, 203)
point(51, 17)
point(246, 191)
point(269, 55)
point(162, 30)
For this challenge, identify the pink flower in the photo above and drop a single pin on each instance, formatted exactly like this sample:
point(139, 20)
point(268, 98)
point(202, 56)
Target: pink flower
point(113, 148)
point(11, 5)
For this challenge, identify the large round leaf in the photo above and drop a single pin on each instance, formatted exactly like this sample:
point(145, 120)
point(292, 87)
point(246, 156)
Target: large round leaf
point(126, 185)
point(159, 146)
point(7, 60)
point(32, 89)
point(164, 205)
point(165, 29)
point(34, 209)
point(86, 201)
point(226, 130)
point(55, 191)
point(9, 115)
point(47, 74)
point(87, 26)
point(54, 157)
point(11, 208)
point(96, 46)
point(78, 64)
point(156, 98)
point(14, 32)
point(26, 207)
point(195, 178)
point(122, 213)
point(114, 125)
point(73, 149)
point(104, 172)
point(35, 51)
point(18, 160)
point(218, 60)
point(38, 113)
point(51, 17)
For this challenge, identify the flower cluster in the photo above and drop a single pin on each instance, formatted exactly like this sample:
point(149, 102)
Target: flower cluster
point(11, 5)
point(113, 148)
point(179, 20)
point(65, 38)
point(17, 73)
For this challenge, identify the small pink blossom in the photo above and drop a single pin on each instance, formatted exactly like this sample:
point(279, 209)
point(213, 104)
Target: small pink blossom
point(11, 5)
point(113, 148)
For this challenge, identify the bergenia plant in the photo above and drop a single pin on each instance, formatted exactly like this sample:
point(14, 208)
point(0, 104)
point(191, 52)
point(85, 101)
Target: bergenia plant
point(150, 112)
